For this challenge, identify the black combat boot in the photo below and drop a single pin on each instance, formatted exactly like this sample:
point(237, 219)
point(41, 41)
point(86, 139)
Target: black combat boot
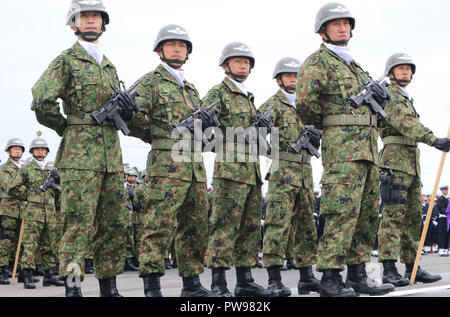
point(21, 277)
point(358, 280)
point(28, 279)
point(219, 283)
point(246, 286)
point(174, 264)
point(307, 283)
point(332, 285)
point(290, 264)
point(152, 285)
point(275, 283)
point(129, 266)
point(391, 275)
point(88, 266)
point(193, 288)
point(50, 279)
point(167, 264)
point(421, 275)
point(72, 290)
point(38, 271)
point(4, 278)
point(108, 287)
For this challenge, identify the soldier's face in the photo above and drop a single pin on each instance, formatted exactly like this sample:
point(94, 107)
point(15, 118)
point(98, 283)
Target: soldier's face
point(131, 179)
point(238, 66)
point(91, 21)
point(39, 153)
point(15, 153)
point(176, 50)
point(289, 80)
point(444, 192)
point(338, 30)
point(403, 72)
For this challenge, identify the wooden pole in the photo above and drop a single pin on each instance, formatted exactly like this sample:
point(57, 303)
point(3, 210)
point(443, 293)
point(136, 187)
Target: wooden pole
point(427, 221)
point(19, 244)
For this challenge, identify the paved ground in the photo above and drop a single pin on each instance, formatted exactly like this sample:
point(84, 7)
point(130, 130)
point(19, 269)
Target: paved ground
point(130, 285)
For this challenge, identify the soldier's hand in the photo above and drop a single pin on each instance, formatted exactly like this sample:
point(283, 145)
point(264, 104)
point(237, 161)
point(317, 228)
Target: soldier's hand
point(314, 135)
point(380, 93)
point(442, 144)
point(206, 118)
point(126, 104)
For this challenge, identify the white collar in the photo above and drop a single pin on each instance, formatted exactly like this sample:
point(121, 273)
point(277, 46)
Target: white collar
point(17, 164)
point(341, 51)
point(290, 98)
point(177, 74)
point(405, 92)
point(240, 86)
point(40, 164)
point(94, 50)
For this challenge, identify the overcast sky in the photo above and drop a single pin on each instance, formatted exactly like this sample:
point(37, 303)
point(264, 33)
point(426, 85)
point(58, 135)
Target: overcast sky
point(34, 32)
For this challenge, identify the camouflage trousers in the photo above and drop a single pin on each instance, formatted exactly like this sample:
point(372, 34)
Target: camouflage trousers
point(92, 203)
point(177, 209)
point(126, 217)
point(289, 226)
point(350, 205)
point(235, 222)
point(138, 229)
point(400, 225)
point(40, 238)
point(9, 235)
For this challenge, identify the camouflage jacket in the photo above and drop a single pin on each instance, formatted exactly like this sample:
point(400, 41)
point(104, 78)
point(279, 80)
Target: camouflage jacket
point(236, 110)
point(27, 185)
point(165, 102)
point(10, 205)
point(287, 120)
point(128, 208)
point(140, 202)
point(403, 120)
point(325, 76)
point(84, 86)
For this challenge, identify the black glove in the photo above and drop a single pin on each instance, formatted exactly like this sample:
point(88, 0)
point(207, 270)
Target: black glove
point(380, 93)
point(442, 144)
point(314, 135)
point(125, 103)
point(55, 175)
point(130, 194)
point(205, 116)
point(263, 122)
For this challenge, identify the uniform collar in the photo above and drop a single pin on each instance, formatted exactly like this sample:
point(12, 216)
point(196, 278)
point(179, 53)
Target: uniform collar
point(81, 53)
point(282, 96)
point(227, 82)
point(168, 76)
point(12, 163)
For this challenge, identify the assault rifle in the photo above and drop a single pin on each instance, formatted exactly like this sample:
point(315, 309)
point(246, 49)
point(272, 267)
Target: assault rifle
point(304, 143)
point(51, 180)
point(366, 97)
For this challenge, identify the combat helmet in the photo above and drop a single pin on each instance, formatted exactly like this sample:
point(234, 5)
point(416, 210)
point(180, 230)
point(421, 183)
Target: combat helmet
point(236, 49)
point(79, 6)
point(15, 142)
point(286, 65)
point(39, 143)
point(332, 11)
point(172, 32)
point(400, 59)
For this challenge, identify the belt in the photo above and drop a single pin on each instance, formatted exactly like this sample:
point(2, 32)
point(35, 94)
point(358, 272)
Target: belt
point(82, 118)
point(442, 216)
point(349, 120)
point(298, 158)
point(398, 139)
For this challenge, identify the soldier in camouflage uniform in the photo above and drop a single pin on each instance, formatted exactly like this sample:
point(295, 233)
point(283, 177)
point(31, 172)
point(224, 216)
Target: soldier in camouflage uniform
point(128, 214)
point(350, 181)
point(290, 199)
point(10, 207)
point(89, 158)
point(140, 203)
point(177, 198)
point(236, 215)
point(40, 231)
point(400, 226)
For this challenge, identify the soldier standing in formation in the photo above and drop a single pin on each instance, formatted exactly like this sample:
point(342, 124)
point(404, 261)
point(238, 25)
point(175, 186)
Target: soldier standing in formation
point(10, 207)
point(236, 214)
point(444, 234)
point(177, 195)
point(41, 223)
point(89, 158)
point(400, 224)
point(350, 181)
point(128, 214)
point(290, 199)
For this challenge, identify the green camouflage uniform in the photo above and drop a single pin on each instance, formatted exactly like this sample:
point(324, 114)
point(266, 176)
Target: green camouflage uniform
point(236, 214)
point(10, 213)
point(40, 234)
point(400, 225)
point(140, 203)
point(177, 198)
point(127, 215)
point(350, 181)
point(89, 159)
point(290, 199)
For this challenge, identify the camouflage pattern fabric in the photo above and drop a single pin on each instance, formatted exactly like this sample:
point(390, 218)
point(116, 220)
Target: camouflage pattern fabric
point(399, 232)
point(40, 232)
point(10, 235)
point(234, 225)
point(176, 193)
point(289, 224)
point(127, 215)
point(177, 209)
point(140, 203)
point(400, 224)
point(350, 181)
point(89, 159)
point(92, 203)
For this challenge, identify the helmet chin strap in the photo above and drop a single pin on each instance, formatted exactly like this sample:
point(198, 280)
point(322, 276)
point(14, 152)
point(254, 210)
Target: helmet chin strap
point(174, 63)
point(238, 78)
point(90, 36)
point(289, 90)
point(337, 43)
point(401, 82)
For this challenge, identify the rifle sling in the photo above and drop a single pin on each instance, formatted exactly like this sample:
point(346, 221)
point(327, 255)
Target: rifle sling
point(350, 120)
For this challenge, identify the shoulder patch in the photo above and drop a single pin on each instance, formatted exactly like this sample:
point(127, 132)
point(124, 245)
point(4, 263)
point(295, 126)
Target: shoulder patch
point(314, 60)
